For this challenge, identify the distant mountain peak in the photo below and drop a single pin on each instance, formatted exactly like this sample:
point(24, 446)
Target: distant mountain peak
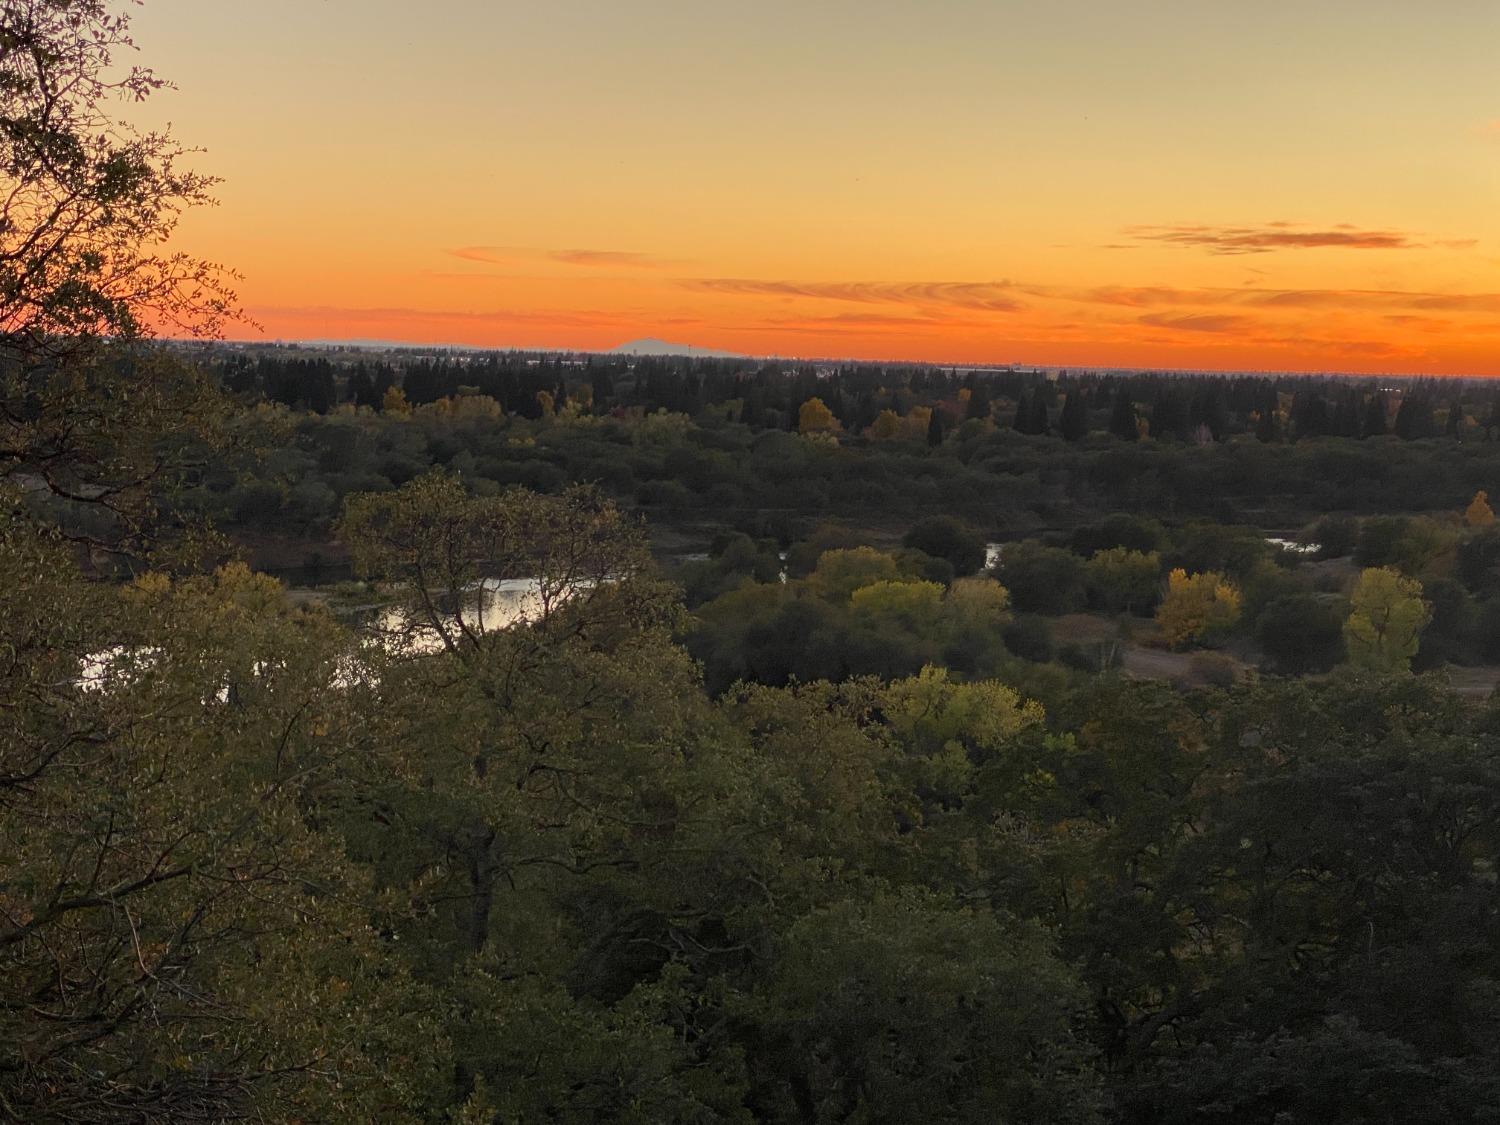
point(652, 346)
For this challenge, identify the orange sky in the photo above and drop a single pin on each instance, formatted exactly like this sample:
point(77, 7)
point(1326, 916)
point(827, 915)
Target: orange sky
point(1205, 184)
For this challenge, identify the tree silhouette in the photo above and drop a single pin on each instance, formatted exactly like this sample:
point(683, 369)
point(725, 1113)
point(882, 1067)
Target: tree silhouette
point(1122, 417)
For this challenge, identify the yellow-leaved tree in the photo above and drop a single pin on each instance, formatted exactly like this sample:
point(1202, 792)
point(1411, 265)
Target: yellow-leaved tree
point(394, 402)
point(1197, 608)
point(912, 604)
point(946, 726)
point(1479, 513)
point(814, 417)
point(1386, 619)
point(841, 572)
point(886, 426)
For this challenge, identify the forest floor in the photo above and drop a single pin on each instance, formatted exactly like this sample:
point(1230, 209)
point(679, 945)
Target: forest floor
point(1140, 658)
point(1474, 683)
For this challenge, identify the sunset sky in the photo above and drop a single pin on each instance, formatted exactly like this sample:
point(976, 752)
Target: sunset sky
point(1206, 184)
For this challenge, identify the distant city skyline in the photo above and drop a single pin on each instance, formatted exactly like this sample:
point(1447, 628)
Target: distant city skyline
point(1208, 185)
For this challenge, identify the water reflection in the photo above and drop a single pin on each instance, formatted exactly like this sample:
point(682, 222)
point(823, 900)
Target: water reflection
point(490, 606)
point(115, 667)
point(1295, 547)
point(994, 551)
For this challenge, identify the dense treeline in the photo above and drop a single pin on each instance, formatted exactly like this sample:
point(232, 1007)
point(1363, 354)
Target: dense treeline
point(772, 394)
point(935, 442)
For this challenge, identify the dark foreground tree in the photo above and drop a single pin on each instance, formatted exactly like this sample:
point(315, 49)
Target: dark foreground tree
point(86, 203)
point(177, 940)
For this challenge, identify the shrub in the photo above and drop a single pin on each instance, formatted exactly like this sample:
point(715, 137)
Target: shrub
point(944, 537)
point(1042, 579)
point(1301, 633)
point(1122, 580)
point(1030, 638)
point(1336, 536)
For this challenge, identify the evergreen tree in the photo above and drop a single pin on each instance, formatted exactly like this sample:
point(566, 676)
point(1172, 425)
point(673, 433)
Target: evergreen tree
point(1309, 414)
point(604, 386)
point(837, 404)
point(361, 389)
point(318, 390)
point(1414, 417)
point(1168, 418)
point(1038, 423)
point(1074, 422)
point(1346, 420)
point(934, 429)
point(979, 402)
point(1122, 420)
point(244, 379)
point(1492, 421)
point(1375, 414)
point(1267, 428)
point(1022, 422)
point(1454, 428)
point(1207, 411)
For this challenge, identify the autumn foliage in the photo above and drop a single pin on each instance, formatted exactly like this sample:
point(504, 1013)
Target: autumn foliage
point(1197, 608)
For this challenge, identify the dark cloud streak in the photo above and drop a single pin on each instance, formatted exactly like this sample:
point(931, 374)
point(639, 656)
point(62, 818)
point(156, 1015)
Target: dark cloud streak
point(595, 259)
point(979, 296)
point(1276, 236)
point(1206, 322)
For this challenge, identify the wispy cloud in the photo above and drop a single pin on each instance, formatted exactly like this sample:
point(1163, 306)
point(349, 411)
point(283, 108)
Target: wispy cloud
point(879, 320)
point(573, 318)
point(593, 259)
point(617, 258)
point(1135, 296)
point(1204, 322)
point(491, 255)
point(1275, 236)
point(1224, 325)
point(1419, 323)
point(1372, 299)
point(855, 324)
point(1153, 296)
point(982, 296)
point(1323, 326)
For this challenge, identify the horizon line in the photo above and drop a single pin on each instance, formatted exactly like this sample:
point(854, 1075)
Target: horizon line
point(978, 365)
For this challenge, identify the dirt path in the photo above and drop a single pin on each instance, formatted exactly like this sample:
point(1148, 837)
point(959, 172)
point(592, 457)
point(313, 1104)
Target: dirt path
point(1474, 683)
